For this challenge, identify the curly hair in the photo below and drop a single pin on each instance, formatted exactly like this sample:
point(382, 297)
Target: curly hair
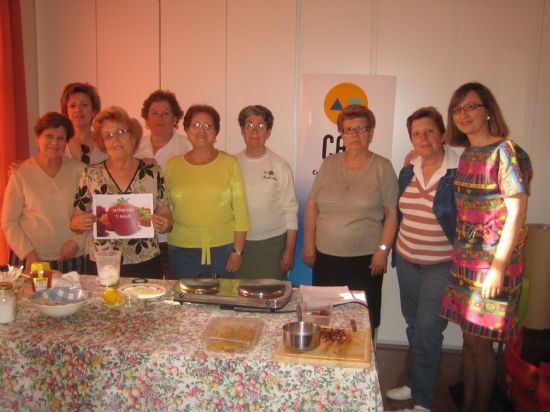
point(162, 96)
point(119, 115)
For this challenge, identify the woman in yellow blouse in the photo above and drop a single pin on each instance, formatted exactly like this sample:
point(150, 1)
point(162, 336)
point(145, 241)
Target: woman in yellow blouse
point(207, 195)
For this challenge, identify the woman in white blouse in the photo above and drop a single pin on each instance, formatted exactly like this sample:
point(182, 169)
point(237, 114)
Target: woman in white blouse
point(272, 204)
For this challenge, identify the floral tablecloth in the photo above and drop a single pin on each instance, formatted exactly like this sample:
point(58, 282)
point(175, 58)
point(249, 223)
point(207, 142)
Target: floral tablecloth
point(152, 358)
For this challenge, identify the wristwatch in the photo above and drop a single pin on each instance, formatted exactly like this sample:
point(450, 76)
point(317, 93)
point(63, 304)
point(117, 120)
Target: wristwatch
point(238, 252)
point(383, 247)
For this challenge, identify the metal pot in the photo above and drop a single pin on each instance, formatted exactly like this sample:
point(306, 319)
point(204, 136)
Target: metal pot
point(301, 336)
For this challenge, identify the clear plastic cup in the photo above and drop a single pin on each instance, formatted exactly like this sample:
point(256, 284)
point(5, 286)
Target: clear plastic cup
point(108, 267)
point(317, 311)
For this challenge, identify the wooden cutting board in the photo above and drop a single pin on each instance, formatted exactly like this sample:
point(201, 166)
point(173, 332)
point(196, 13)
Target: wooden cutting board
point(354, 353)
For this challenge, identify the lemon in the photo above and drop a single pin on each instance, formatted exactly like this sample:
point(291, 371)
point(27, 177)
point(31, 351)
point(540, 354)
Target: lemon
point(111, 296)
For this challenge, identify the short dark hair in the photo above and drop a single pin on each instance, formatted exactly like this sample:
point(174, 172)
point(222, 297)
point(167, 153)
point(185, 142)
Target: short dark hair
point(201, 108)
point(53, 120)
point(85, 88)
point(429, 112)
point(257, 110)
point(497, 124)
point(354, 111)
point(116, 114)
point(162, 96)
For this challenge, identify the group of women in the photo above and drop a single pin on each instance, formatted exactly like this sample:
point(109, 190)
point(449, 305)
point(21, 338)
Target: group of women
point(201, 210)
point(452, 223)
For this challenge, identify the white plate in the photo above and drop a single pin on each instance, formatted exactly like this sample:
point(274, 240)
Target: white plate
point(144, 291)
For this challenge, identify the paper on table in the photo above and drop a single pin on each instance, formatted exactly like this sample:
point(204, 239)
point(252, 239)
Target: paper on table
point(337, 295)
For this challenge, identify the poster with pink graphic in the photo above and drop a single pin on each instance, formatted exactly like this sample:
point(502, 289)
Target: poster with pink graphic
point(123, 216)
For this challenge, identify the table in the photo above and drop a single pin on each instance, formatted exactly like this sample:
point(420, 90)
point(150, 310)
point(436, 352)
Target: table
point(152, 358)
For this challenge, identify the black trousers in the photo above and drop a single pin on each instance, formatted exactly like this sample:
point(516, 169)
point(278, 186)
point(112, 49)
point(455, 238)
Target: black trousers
point(354, 273)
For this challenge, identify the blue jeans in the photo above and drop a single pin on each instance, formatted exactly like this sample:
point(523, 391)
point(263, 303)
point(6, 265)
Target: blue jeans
point(422, 288)
point(186, 262)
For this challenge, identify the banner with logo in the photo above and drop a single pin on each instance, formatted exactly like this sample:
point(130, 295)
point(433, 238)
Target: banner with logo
point(322, 97)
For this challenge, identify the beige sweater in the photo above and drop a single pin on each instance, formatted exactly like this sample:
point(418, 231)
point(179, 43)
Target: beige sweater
point(37, 209)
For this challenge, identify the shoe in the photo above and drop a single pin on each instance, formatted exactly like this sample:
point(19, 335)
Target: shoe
point(402, 393)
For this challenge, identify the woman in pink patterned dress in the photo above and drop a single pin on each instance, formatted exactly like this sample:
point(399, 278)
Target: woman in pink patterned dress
point(491, 188)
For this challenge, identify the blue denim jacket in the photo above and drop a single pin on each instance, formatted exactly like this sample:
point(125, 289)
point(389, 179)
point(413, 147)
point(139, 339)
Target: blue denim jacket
point(444, 205)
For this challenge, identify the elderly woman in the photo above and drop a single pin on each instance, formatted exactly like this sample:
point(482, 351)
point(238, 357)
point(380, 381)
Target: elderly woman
point(491, 188)
point(350, 218)
point(121, 173)
point(422, 252)
point(271, 242)
point(208, 200)
point(162, 112)
point(80, 103)
point(38, 201)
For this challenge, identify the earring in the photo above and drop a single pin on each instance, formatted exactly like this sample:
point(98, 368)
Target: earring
point(488, 117)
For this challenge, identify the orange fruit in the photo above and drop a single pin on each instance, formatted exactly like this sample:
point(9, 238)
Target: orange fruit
point(111, 296)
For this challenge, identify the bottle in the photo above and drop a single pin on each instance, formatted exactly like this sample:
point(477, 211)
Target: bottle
point(41, 276)
point(7, 302)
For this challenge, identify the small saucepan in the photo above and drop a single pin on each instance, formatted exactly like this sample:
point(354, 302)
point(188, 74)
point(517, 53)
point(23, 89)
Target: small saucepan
point(301, 336)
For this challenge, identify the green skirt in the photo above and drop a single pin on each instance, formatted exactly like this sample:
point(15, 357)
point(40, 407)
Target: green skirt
point(262, 259)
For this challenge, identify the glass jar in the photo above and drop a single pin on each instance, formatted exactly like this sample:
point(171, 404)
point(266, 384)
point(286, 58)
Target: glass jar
point(7, 302)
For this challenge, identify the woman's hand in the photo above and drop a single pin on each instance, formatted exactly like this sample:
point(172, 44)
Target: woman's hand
point(69, 249)
point(82, 222)
point(492, 285)
point(234, 263)
point(379, 263)
point(287, 260)
point(409, 157)
point(308, 255)
point(162, 223)
point(31, 257)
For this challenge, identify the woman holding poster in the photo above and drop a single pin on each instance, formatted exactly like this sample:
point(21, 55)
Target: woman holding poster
point(351, 215)
point(122, 175)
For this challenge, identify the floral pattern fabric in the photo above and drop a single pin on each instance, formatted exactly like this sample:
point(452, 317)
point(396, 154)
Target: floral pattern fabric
point(485, 177)
point(96, 179)
point(153, 358)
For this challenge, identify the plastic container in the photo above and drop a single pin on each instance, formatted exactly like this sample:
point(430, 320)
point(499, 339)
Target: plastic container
point(317, 311)
point(232, 334)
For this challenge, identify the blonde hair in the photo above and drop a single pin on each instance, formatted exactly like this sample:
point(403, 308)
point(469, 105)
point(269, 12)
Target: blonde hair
point(119, 115)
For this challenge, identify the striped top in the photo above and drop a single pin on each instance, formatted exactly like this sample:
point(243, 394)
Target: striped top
point(420, 238)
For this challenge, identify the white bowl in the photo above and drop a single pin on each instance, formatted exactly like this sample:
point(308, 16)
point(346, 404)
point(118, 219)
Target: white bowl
point(59, 302)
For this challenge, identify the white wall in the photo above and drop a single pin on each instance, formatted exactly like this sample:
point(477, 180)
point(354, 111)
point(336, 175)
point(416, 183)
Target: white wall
point(238, 52)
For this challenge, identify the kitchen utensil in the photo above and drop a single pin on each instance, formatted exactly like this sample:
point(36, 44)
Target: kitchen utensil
point(354, 352)
point(317, 311)
point(301, 336)
point(299, 311)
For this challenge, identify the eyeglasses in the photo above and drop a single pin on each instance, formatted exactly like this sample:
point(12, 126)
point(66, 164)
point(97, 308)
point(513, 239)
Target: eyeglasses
point(108, 136)
point(259, 127)
point(359, 129)
point(85, 149)
point(467, 108)
point(206, 126)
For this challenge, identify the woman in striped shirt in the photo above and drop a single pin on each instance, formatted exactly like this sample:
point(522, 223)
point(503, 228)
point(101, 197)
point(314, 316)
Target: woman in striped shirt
point(422, 251)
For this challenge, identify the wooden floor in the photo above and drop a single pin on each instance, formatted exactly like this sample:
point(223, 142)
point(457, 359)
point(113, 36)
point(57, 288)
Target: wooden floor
point(392, 362)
